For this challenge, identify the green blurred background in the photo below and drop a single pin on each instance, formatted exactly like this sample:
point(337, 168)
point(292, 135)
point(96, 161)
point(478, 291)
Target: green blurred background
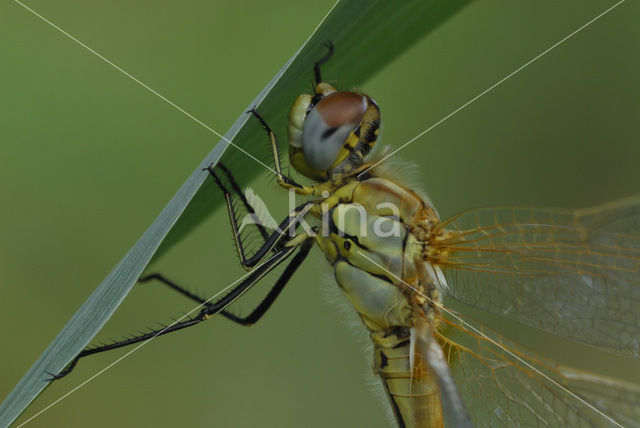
point(89, 158)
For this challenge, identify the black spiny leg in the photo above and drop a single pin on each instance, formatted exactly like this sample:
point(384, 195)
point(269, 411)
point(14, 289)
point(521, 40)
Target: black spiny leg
point(274, 147)
point(266, 303)
point(243, 198)
point(283, 180)
point(327, 57)
point(166, 281)
point(273, 242)
point(273, 294)
point(180, 289)
point(211, 309)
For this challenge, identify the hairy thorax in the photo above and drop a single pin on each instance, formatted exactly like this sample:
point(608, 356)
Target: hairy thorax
point(375, 234)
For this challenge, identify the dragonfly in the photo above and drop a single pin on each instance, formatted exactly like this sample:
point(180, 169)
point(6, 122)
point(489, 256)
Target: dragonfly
point(572, 273)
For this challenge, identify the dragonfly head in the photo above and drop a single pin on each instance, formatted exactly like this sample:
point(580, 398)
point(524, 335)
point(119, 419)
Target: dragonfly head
point(331, 131)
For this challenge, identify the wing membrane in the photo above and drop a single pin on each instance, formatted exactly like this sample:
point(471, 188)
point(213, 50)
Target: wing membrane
point(571, 273)
point(501, 390)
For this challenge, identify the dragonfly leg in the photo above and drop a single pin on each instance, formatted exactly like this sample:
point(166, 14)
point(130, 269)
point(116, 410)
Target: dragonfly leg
point(239, 193)
point(318, 64)
point(164, 280)
point(273, 294)
point(121, 343)
point(210, 309)
point(180, 289)
point(275, 240)
point(283, 180)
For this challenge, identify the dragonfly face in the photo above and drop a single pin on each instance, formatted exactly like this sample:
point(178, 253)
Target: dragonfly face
point(331, 132)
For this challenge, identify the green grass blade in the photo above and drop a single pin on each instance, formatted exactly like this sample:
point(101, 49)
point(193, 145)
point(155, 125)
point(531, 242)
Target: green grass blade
point(367, 35)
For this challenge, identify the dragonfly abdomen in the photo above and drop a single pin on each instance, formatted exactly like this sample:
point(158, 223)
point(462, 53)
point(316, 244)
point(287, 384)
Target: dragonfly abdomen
point(412, 390)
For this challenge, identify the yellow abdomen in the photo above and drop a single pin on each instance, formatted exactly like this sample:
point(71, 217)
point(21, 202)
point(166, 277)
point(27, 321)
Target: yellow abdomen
point(413, 394)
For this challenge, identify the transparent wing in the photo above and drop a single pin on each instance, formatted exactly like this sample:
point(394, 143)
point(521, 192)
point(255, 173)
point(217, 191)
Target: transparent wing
point(571, 273)
point(501, 390)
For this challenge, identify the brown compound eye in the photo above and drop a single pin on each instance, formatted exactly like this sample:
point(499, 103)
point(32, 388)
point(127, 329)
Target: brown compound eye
point(328, 125)
point(342, 108)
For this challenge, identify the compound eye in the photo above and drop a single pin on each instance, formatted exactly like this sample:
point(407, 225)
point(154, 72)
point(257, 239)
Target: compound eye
point(328, 125)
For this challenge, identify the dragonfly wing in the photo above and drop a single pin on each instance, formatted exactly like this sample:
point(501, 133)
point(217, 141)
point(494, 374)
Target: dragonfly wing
point(504, 386)
point(608, 395)
point(618, 217)
point(571, 273)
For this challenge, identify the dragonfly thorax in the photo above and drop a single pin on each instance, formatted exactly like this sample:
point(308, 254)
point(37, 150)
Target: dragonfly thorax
point(369, 236)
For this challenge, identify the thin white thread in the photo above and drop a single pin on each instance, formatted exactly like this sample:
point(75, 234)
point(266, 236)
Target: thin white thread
point(142, 344)
point(315, 30)
point(171, 103)
point(493, 86)
point(445, 309)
